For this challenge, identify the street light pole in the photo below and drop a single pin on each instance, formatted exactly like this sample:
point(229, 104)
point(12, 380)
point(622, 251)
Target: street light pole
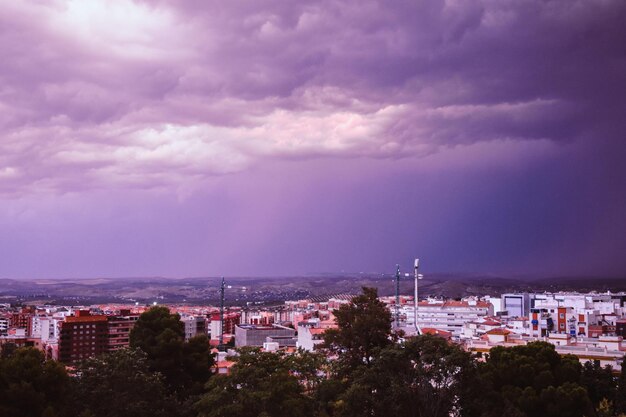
point(415, 300)
point(397, 306)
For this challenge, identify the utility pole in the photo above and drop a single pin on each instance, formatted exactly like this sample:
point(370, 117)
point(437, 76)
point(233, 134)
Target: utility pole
point(397, 296)
point(222, 287)
point(416, 298)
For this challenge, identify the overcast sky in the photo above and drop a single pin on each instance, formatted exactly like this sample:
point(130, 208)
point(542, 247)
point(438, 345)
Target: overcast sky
point(196, 138)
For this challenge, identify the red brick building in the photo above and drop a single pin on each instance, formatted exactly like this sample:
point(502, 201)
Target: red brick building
point(22, 319)
point(230, 321)
point(83, 336)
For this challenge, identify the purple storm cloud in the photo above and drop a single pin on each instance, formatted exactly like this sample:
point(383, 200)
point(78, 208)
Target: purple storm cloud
point(279, 137)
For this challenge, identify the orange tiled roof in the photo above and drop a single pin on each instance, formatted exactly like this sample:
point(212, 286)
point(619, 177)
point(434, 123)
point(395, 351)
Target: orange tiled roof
point(225, 364)
point(436, 332)
point(501, 332)
point(85, 319)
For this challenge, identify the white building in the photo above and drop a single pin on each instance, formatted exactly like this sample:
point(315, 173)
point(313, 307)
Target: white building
point(4, 325)
point(605, 350)
point(450, 316)
point(310, 337)
point(516, 305)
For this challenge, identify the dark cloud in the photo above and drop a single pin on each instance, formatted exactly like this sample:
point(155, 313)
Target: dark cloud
point(167, 97)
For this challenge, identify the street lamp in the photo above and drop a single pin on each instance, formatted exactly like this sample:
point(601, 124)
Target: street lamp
point(415, 300)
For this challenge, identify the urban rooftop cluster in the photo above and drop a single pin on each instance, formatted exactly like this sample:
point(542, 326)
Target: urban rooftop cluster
point(591, 326)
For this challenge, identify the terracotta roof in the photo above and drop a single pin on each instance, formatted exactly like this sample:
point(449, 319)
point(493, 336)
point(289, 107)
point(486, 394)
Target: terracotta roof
point(501, 332)
point(225, 364)
point(85, 319)
point(216, 342)
point(317, 331)
point(453, 303)
point(426, 304)
point(436, 332)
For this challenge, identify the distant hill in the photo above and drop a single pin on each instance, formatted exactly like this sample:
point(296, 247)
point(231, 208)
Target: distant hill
point(244, 290)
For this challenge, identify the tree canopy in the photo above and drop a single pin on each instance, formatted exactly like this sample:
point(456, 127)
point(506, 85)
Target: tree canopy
point(261, 384)
point(30, 386)
point(423, 377)
point(121, 383)
point(364, 329)
point(533, 380)
point(186, 366)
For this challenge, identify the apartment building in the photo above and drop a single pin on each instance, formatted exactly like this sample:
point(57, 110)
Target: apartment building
point(118, 329)
point(256, 335)
point(447, 315)
point(194, 326)
point(82, 336)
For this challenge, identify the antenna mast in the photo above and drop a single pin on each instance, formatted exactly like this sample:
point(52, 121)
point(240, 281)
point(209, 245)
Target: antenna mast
point(222, 287)
point(416, 298)
point(397, 296)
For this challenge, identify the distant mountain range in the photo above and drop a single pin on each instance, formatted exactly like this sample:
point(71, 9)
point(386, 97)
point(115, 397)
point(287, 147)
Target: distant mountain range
point(269, 290)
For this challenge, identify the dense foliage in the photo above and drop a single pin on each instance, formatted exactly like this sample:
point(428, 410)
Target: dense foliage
point(184, 365)
point(364, 330)
point(372, 372)
point(121, 383)
point(31, 386)
point(263, 384)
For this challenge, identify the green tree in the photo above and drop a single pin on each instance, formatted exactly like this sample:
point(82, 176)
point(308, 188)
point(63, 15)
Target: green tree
point(600, 383)
point(186, 366)
point(30, 386)
point(425, 376)
point(155, 328)
point(260, 384)
point(121, 384)
point(197, 363)
point(532, 380)
point(364, 329)
point(620, 392)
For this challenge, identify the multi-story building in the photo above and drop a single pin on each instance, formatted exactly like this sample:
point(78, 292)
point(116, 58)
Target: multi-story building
point(516, 305)
point(256, 335)
point(575, 314)
point(119, 327)
point(258, 317)
point(22, 319)
point(82, 336)
point(194, 326)
point(310, 337)
point(4, 325)
point(447, 315)
point(230, 321)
